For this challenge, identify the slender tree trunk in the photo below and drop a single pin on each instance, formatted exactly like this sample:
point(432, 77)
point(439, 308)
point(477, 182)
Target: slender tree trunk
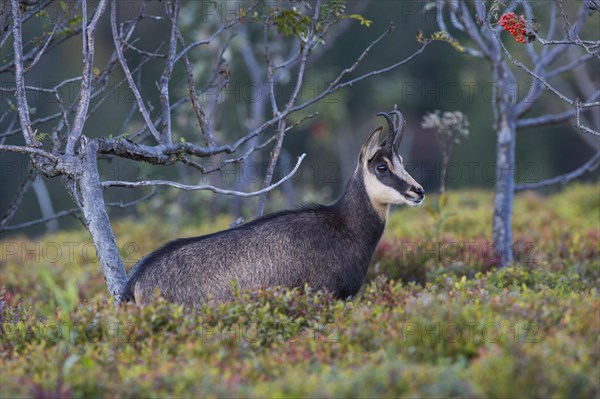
point(505, 158)
point(96, 218)
point(45, 202)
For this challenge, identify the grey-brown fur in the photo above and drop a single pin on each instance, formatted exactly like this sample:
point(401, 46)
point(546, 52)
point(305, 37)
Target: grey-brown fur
point(327, 247)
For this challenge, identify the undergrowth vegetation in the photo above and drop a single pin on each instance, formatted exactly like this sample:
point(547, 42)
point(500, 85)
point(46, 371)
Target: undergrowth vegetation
point(436, 317)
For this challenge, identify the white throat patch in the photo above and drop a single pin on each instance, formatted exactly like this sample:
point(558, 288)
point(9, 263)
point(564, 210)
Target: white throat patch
point(382, 196)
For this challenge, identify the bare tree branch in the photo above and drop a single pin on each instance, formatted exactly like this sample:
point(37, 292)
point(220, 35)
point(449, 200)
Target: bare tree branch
point(541, 79)
point(18, 198)
point(459, 23)
point(582, 128)
point(30, 223)
point(539, 74)
point(186, 187)
point(568, 67)
point(569, 29)
point(74, 211)
point(223, 28)
point(36, 49)
point(553, 119)
point(200, 116)
point(46, 43)
point(291, 101)
point(29, 151)
point(333, 87)
point(166, 75)
point(142, 52)
point(269, 67)
point(22, 106)
point(89, 33)
point(132, 85)
point(563, 179)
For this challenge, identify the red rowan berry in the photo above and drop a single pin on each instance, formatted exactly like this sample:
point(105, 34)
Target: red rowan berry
point(516, 26)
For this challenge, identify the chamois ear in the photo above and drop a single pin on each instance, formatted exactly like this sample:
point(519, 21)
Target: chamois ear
point(372, 145)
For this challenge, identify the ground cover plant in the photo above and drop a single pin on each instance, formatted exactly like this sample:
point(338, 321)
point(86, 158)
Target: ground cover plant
point(437, 317)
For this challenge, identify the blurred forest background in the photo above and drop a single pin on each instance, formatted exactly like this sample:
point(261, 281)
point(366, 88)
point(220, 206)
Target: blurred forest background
point(439, 79)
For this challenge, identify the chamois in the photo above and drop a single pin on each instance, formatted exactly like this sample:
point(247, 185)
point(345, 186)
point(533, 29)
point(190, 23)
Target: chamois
point(328, 247)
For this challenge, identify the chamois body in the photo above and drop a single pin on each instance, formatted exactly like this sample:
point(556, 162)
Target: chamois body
point(325, 246)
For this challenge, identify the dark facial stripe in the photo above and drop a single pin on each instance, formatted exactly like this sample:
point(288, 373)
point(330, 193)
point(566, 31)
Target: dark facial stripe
point(387, 178)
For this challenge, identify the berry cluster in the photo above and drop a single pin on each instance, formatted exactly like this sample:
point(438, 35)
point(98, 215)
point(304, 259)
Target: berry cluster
point(517, 26)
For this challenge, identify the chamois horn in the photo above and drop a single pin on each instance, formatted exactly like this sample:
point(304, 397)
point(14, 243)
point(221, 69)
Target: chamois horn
point(399, 128)
point(391, 136)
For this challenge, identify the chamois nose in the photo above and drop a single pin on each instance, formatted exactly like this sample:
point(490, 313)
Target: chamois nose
point(419, 191)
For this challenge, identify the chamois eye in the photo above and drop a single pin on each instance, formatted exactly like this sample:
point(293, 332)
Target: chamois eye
point(382, 168)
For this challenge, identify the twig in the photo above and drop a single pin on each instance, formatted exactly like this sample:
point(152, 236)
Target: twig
point(14, 204)
point(132, 85)
point(539, 75)
point(336, 87)
point(569, 67)
point(200, 116)
point(155, 154)
point(185, 187)
point(454, 18)
point(245, 156)
point(20, 79)
point(553, 119)
point(220, 80)
point(29, 151)
point(223, 28)
point(41, 220)
point(140, 134)
point(589, 166)
point(89, 33)
point(269, 66)
point(471, 29)
point(581, 127)
point(166, 75)
point(45, 46)
point(75, 211)
point(226, 162)
point(576, 30)
point(541, 79)
point(594, 43)
point(142, 52)
point(291, 101)
point(33, 52)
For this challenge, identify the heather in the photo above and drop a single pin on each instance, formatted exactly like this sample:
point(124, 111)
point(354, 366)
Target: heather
point(436, 317)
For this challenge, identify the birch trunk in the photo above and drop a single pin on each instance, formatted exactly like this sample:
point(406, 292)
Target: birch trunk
point(505, 158)
point(98, 223)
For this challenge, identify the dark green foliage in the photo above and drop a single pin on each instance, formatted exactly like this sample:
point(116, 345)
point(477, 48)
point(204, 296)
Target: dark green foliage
point(450, 329)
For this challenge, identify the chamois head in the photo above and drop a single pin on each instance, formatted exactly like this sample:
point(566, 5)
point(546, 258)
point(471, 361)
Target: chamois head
point(386, 181)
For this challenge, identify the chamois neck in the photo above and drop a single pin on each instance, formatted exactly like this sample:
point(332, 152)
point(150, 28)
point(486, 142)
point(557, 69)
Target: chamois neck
point(355, 206)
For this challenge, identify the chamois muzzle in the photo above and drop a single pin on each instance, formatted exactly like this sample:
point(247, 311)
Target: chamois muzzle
point(418, 190)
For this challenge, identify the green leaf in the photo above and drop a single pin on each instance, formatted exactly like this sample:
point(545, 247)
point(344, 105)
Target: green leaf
point(363, 21)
